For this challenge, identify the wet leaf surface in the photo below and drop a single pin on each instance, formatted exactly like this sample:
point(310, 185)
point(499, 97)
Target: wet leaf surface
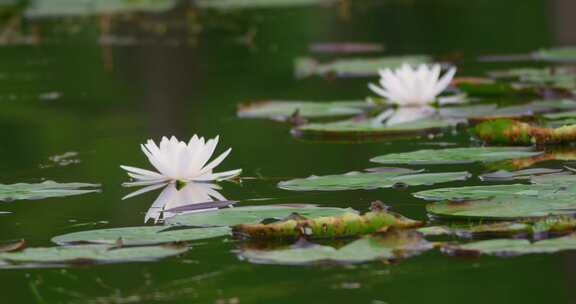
point(562, 54)
point(283, 110)
point(455, 155)
point(145, 235)
point(251, 215)
point(46, 189)
point(503, 175)
point(371, 127)
point(89, 254)
point(513, 247)
point(369, 180)
point(390, 246)
point(379, 219)
point(60, 8)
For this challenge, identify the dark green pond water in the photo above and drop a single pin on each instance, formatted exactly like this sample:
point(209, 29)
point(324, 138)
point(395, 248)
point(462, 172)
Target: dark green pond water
point(101, 85)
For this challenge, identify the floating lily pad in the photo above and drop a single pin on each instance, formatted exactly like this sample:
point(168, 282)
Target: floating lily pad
point(370, 180)
point(369, 127)
point(392, 246)
point(455, 155)
point(254, 4)
point(548, 195)
point(485, 112)
point(513, 247)
point(503, 175)
point(512, 207)
point(282, 110)
point(481, 192)
point(43, 190)
point(141, 235)
point(59, 8)
point(561, 54)
point(534, 229)
point(89, 254)
point(251, 215)
point(357, 67)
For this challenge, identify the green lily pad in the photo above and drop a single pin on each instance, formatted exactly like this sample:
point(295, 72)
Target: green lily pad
point(561, 54)
point(141, 235)
point(255, 4)
point(513, 247)
point(43, 190)
point(356, 67)
point(548, 195)
point(543, 186)
point(503, 175)
point(455, 155)
point(89, 254)
point(536, 229)
point(484, 112)
point(505, 208)
point(251, 215)
point(368, 127)
point(370, 180)
point(282, 110)
point(59, 8)
point(391, 246)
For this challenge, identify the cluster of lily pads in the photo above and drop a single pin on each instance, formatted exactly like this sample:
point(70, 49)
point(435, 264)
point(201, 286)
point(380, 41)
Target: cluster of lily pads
point(533, 203)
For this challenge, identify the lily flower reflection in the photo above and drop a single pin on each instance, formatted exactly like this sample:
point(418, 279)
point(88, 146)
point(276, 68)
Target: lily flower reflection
point(401, 115)
point(193, 197)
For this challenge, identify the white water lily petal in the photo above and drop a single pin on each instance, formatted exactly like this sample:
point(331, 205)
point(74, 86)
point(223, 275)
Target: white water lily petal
point(218, 176)
point(177, 160)
point(144, 190)
point(412, 86)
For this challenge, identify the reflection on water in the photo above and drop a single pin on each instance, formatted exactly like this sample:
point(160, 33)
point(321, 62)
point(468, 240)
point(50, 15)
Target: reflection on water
point(193, 197)
point(400, 115)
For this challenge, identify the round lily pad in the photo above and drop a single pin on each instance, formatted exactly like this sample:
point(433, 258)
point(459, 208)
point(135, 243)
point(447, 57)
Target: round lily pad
point(369, 180)
point(42, 190)
point(282, 110)
point(89, 254)
point(456, 155)
point(141, 235)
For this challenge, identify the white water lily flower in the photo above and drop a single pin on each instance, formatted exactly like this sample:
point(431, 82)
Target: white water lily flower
point(180, 161)
point(407, 86)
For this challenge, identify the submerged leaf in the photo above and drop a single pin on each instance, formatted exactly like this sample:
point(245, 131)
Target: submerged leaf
point(455, 155)
point(370, 180)
point(251, 214)
point(46, 189)
point(145, 235)
point(389, 246)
